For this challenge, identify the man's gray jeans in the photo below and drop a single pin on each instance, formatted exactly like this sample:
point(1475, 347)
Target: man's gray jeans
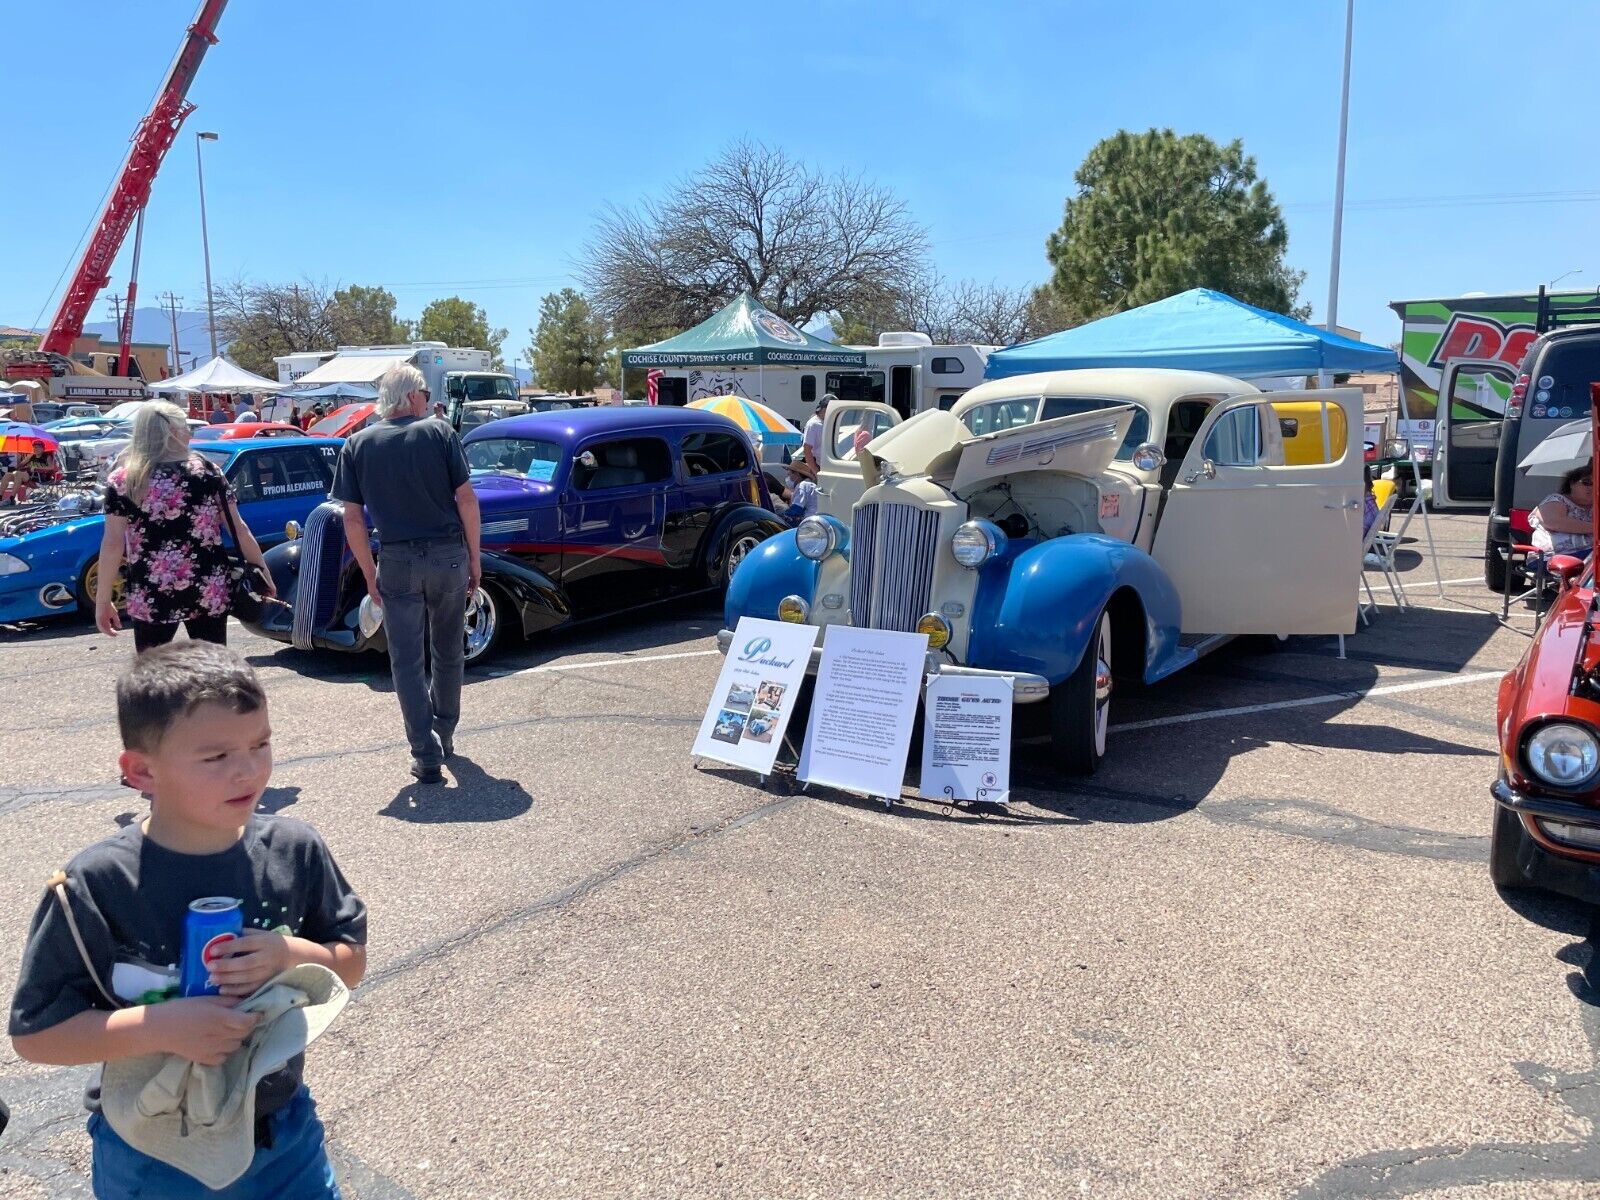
point(424, 588)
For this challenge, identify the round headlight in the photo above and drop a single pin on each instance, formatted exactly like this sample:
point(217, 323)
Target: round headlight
point(815, 538)
point(976, 542)
point(1148, 457)
point(793, 610)
point(937, 629)
point(1563, 755)
point(292, 530)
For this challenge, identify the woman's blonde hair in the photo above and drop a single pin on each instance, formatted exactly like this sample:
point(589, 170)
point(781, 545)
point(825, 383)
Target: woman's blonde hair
point(160, 435)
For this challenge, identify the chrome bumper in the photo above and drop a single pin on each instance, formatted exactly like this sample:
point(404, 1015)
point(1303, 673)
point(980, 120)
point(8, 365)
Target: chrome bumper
point(1025, 688)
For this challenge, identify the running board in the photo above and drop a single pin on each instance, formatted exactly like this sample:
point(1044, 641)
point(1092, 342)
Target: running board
point(1203, 643)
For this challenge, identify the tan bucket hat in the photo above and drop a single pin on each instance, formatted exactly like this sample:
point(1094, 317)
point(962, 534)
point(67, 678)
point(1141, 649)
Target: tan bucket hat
point(202, 1120)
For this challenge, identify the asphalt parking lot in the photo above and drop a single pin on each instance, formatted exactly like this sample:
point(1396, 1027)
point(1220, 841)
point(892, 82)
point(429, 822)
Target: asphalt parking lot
point(1258, 955)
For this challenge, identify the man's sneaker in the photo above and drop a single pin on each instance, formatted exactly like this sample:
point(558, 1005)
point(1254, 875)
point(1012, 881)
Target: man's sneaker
point(427, 773)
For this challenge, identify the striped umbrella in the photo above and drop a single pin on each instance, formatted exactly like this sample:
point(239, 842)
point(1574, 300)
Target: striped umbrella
point(766, 424)
point(18, 437)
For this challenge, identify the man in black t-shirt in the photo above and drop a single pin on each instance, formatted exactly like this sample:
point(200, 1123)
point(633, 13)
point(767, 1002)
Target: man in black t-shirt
point(411, 474)
point(196, 738)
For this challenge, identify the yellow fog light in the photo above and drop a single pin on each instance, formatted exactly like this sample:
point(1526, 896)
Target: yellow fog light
point(937, 629)
point(292, 531)
point(794, 610)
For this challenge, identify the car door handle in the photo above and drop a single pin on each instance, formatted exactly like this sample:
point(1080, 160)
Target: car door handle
point(1338, 507)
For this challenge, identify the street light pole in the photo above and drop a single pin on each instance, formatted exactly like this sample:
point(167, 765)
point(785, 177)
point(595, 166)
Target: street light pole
point(1338, 186)
point(205, 240)
point(1563, 275)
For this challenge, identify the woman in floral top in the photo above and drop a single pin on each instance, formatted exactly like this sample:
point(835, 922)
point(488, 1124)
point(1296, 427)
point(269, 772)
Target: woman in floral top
point(165, 519)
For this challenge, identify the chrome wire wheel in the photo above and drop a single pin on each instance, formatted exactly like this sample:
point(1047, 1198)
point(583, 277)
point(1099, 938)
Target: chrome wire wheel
point(1102, 685)
point(738, 550)
point(482, 624)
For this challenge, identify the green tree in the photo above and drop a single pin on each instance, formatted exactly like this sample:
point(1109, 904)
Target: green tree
point(458, 322)
point(1156, 214)
point(569, 346)
point(364, 316)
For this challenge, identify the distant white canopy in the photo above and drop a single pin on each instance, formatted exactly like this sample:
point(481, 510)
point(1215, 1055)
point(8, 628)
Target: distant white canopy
point(218, 375)
point(355, 368)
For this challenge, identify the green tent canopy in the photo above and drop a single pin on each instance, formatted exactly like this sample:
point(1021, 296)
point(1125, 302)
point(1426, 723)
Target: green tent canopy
point(744, 334)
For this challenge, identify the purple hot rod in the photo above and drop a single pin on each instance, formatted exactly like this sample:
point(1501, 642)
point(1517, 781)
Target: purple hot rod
point(586, 513)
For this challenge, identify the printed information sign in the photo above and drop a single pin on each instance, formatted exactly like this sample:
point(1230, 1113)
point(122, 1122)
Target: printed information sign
point(966, 739)
point(755, 693)
point(863, 709)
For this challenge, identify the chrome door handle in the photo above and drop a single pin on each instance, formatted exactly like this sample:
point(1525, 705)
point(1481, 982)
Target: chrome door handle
point(1338, 507)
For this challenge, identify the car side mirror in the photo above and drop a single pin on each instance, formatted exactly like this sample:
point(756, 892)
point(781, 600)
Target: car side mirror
point(1206, 468)
point(1397, 448)
point(587, 460)
point(1564, 568)
point(1148, 457)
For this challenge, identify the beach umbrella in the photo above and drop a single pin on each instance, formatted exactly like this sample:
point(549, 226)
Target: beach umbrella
point(763, 423)
point(1568, 447)
point(18, 437)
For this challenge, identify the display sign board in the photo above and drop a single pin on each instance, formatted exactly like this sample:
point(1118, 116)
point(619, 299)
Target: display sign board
point(863, 709)
point(966, 741)
point(755, 695)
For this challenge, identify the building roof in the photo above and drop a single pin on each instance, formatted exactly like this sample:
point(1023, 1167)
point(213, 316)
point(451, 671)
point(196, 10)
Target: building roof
point(571, 424)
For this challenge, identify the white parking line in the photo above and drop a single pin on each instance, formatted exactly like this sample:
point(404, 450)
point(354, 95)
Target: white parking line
point(1393, 689)
point(1434, 583)
point(604, 662)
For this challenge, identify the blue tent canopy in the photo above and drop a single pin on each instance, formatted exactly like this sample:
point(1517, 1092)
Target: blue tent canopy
point(1197, 330)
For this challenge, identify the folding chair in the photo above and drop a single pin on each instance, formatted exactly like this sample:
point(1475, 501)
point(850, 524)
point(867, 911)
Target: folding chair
point(1381, 548)
point(1535, 566)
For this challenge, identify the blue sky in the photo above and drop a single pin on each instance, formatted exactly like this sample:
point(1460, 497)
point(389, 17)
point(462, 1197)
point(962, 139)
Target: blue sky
point(467, 148)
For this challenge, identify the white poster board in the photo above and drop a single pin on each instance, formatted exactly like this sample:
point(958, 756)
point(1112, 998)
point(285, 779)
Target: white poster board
point(863, 709)
point(966, 739)
point(755, 693)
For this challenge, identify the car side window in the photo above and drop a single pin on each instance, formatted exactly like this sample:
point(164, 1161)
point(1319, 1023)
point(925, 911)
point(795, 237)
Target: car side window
point(244, 478)
point(714, 454)
point(1236, 439)
point(855, 427)
point(629, 462)
point(305, 470)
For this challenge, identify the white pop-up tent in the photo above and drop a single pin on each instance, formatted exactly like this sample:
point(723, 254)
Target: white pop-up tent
point(218, 376)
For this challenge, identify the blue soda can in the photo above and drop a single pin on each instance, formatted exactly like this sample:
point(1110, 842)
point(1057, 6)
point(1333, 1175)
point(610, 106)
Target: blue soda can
point(208, 923)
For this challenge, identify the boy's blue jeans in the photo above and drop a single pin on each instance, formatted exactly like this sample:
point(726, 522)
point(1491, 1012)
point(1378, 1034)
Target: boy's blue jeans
point(295, 1168)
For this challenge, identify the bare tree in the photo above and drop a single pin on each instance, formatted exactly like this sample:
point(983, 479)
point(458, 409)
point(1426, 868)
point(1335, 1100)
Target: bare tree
point(955, 313)
point(753, 219)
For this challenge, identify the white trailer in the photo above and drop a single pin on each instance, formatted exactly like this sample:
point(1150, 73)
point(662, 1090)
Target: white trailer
point(904, 370)
point(455, 375)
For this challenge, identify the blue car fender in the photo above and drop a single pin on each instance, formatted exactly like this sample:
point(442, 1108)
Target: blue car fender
point(56, 559)
point(1037, 604)
point(771, 571)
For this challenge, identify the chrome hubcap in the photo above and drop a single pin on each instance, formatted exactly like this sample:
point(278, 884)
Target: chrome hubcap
point(483, 619)
point(739, 551)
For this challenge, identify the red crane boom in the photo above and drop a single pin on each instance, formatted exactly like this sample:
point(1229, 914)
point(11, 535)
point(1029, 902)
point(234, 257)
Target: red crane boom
point(149, 146)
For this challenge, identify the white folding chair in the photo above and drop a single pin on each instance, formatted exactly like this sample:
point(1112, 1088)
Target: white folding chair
point(1382, 548)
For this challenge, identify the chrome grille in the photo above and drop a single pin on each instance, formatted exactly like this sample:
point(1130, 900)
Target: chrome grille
point(891, 565)
point(316, 590)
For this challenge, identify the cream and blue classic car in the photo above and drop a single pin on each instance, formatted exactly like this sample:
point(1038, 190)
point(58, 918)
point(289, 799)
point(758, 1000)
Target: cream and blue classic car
point(1066, 528)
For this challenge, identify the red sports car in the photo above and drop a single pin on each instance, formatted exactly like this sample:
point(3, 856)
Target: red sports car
point(245, 429)
point(1547, 798)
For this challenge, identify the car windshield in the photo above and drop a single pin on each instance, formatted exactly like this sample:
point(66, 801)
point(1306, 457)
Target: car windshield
point(515, 456)
point(217, 454)
point(489, 387)
point(334, 421)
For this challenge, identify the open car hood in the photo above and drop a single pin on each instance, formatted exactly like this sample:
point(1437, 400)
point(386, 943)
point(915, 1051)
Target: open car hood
point(939, 445)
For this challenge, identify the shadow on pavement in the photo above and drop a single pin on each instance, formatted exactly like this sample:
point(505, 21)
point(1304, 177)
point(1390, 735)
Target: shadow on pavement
point(476, 796)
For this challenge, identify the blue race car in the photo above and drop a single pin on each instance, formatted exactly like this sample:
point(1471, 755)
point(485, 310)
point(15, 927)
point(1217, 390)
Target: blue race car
point(49, 552)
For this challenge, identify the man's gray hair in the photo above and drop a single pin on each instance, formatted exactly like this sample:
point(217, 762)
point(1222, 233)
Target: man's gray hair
point(395, 388)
